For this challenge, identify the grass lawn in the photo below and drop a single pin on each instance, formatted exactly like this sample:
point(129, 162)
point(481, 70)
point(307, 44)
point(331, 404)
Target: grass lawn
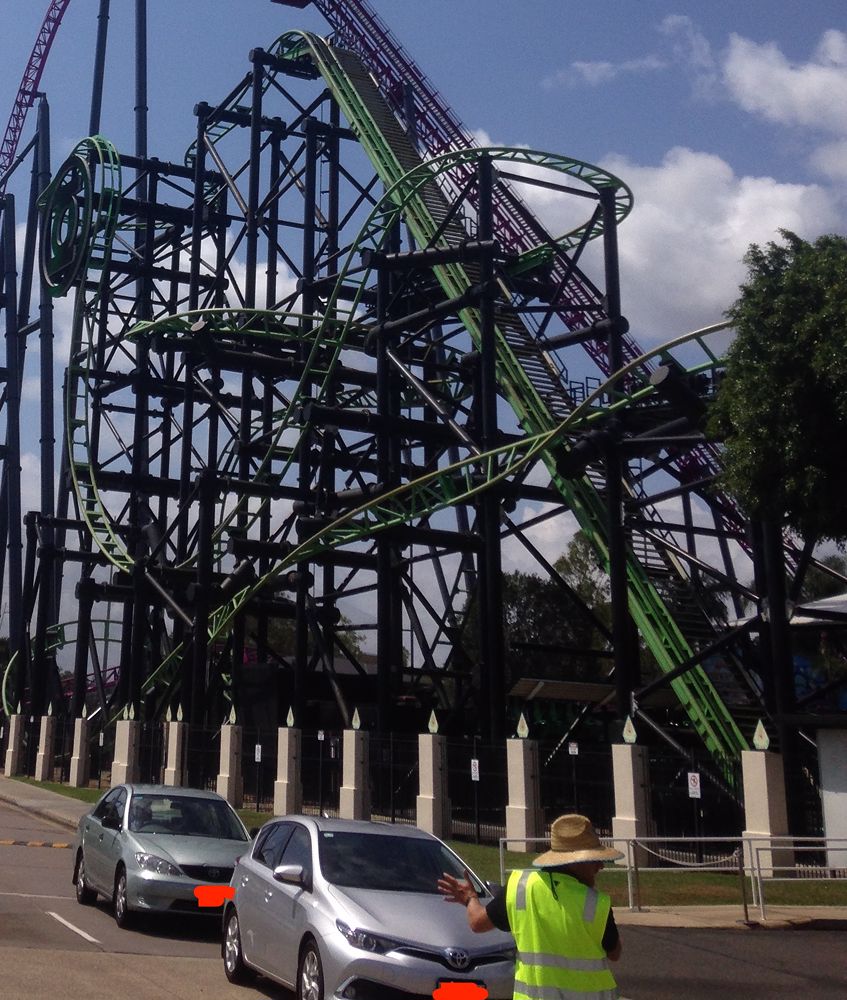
point(677, 887)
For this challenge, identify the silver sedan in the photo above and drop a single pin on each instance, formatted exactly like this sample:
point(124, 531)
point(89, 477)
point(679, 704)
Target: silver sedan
point(148, 847)
point(350, 909)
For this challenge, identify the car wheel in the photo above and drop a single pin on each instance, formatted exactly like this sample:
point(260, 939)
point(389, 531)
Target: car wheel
point(123, 916)
point(84, 894)
point(310, 976)
point(234, 967)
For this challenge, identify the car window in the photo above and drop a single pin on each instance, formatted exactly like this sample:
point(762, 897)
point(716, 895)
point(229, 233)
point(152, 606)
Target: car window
point(298, 850)
point(380, 861)
point(120, 803)
point(110, 798)
point(184, 815)
point(268, 849)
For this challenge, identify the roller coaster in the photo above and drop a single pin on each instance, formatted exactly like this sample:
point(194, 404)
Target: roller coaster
point(320, 373)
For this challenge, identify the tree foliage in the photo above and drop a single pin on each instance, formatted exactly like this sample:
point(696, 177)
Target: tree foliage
point(782, 407)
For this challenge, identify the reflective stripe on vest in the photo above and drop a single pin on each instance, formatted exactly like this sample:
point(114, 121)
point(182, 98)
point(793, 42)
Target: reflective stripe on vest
point(558, 925)
point(554, 993)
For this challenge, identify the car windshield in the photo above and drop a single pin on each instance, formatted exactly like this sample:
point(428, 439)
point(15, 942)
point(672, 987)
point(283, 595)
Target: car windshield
point(380, 861)
point(184, 815)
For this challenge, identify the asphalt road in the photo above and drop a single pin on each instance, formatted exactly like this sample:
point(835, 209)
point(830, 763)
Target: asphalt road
point(51, 947)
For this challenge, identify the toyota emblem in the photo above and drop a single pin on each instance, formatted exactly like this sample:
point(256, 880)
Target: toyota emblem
point(458, 958)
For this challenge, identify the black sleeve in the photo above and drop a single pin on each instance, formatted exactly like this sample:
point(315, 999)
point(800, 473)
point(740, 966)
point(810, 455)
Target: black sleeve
point(496, 910)
point(610, 935)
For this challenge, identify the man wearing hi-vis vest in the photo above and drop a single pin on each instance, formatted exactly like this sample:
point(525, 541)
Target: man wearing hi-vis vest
point(563, 927)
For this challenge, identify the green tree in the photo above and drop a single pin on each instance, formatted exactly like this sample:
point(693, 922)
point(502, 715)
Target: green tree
point(782, 407)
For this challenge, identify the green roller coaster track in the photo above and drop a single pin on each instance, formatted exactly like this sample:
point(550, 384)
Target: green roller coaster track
point(411, 191)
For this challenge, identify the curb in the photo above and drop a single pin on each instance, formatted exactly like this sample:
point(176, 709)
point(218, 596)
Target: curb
point(43, 812)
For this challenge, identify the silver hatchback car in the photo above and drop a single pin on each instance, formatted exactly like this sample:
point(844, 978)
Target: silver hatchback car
point(350, 909)
point(148, 847)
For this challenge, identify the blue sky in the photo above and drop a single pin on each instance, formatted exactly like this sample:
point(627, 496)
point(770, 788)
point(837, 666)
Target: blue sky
point(728, 120)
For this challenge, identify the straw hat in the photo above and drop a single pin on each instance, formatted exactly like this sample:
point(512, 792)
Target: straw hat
point(573, 839)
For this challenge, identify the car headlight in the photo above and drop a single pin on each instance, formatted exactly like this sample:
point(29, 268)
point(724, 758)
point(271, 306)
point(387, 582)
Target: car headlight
point(365, 940)
point(153, 863)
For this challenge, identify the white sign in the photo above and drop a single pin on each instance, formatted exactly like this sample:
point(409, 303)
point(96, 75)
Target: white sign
point(573, 749)
point(320, 736)
point(101, 739)
point(694, 784)
point(474, 769)
point(257, 753)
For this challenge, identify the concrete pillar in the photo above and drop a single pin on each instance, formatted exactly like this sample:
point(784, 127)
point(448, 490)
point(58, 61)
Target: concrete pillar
point(46, 748)
point(523, 812)
point(355, 798)
point(176, 766)
point(432, 807)
point(125, 766)
point(80, 761)
point(832, 762)
point(631, 776)
point(288, 787)
point(15, 746)
point(230, 782)
point(765, 812)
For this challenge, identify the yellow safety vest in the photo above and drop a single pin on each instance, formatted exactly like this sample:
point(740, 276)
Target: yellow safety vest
point(558, 925)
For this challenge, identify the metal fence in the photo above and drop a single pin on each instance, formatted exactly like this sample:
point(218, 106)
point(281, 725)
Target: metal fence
point(258, 768)
point(575, 779)
point(203, 757)
point(477, 789)
point(698, 806)
point(151, 753)
point(393, 778)
point(320, 755)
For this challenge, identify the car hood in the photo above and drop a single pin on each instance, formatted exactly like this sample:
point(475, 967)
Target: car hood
point(192, 850)
point(415, 917)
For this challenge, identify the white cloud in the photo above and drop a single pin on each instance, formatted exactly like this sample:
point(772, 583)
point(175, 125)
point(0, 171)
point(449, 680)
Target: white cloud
point(813, 94)
point(694, 217)
point(691, 50)
point(599, 72)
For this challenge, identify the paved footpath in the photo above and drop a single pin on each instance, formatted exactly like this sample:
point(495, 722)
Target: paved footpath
point(67, 811)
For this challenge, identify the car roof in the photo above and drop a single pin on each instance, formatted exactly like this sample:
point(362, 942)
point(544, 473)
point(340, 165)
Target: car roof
point(334, 824)
point(173, 791)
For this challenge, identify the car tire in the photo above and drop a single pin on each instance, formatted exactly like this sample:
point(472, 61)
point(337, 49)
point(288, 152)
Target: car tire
point(120, 904)
point(234, 968)
point(85, 896)
point(310, 975)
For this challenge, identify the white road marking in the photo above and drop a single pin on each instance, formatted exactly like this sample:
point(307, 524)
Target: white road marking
point(68, 924)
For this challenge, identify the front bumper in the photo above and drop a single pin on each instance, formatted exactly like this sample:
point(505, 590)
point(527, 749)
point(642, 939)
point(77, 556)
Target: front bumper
point(149, 892)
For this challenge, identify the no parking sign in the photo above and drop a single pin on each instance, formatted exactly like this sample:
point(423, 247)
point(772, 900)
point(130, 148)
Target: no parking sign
point(694, 784)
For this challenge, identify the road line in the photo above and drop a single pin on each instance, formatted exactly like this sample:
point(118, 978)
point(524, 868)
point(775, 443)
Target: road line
point(68, 924)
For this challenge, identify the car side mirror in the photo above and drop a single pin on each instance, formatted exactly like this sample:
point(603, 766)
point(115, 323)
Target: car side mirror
point(290, 874)
point(111, 820)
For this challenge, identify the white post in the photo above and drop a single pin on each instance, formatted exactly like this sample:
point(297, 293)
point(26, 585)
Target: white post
point(765, 813)
point(177, 744)
point(15, 746)
point(230, 783)
point(523, 812)
point(432, 807)
point(355, 798)
point(832, 762)
point(125, 766)
point(81, 757)
point(288, 787)
point(46, 746)
point(631, 775)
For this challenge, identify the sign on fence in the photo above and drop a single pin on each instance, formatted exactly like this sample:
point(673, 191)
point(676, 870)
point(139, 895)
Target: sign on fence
point(573, 749)
point(474, 769)
point(257, 753)
point(320, 736)
point(694, 784)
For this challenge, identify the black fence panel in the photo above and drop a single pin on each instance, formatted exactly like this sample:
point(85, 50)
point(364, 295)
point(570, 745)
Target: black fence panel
point(478, 792)
point(394, 778)
point(101, 748)
point(577, 779)
point(259, 774)
point(63, 749)
point(320, 754)
point(4, 739)
point(677, 808)
point(203, 758)
point(151, 753)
